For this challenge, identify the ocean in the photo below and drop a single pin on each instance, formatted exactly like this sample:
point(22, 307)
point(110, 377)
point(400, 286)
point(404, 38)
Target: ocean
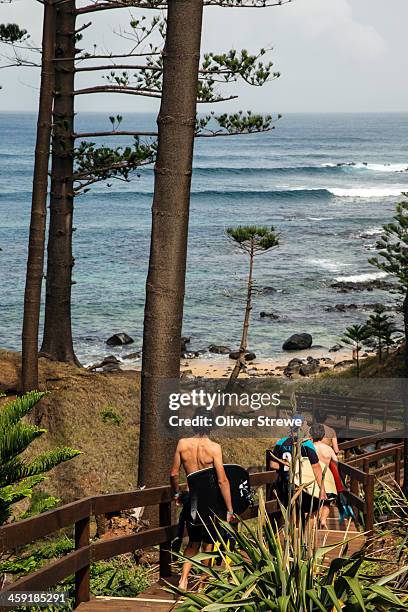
point(326, 182)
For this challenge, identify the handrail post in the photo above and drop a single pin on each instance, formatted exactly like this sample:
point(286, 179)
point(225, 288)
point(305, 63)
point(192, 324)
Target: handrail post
point(82, 576)
point(369, 499)
point(165, 548)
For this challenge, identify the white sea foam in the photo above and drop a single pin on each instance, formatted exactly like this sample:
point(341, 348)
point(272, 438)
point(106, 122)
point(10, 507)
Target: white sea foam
point(351, 192)
point(360, 278)
point(373, 167)
point(383, 167)
point(369, 233)
point(328, 264)
point(367, 192)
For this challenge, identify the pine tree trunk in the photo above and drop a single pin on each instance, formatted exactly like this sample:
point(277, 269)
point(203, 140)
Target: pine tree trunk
point(36, 240)
point(168, 251)
point(240, 363)
point(57, 341)
point(405, 387)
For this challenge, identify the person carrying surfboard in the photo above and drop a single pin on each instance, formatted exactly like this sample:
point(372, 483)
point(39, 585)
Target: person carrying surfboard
point(284, 451)
point(195, 454)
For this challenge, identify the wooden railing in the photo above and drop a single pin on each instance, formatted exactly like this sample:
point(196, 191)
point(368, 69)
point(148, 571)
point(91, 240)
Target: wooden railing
point(79, 514)
point(385, 412)
point(392, 457)
point(359, 444)
point(355, 480)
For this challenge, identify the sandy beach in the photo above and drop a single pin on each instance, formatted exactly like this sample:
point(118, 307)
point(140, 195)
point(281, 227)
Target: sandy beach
point(274, 366)
point(214, 366)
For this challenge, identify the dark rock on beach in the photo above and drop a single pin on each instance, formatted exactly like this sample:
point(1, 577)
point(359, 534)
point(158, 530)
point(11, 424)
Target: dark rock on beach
point(108, 364)
point(249, 355)
point(298, 342)
point(310, 368)
point(136, 355)
point(335, 348)
point(299, 367)
point(119, 339)
point(293, 367)
point(219, 349)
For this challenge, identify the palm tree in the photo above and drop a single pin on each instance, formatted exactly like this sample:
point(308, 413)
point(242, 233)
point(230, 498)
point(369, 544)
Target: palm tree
point(355, 335)
point(381, 327)
point(19, 475)
point(252, 240)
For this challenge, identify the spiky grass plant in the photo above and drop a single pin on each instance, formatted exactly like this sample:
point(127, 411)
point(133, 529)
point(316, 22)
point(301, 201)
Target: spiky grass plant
point(261, 576)
point(390, 502)
point(283, 569)
point(19, 475)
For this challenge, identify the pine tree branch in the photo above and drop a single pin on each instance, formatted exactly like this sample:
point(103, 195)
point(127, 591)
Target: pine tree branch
point(117, 67)
point(112, 133)
point(207, 134)
point(145, 4)
point(117, 89)
point(135, 91)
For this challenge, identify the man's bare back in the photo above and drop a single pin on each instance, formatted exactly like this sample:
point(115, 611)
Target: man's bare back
point(198, 453)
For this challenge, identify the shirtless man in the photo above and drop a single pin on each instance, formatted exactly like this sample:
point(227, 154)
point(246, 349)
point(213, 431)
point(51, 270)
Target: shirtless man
point(194, 454)
point(326, 454)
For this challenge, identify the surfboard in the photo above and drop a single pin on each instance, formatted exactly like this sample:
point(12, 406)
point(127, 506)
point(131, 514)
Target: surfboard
point(307, 476)
point(206, 497)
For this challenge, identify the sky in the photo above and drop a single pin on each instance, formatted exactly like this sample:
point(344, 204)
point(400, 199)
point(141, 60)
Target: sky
point(333, 56)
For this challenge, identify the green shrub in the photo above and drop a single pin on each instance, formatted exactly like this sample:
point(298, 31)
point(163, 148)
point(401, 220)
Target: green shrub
point(110, 415)
point(19, 476)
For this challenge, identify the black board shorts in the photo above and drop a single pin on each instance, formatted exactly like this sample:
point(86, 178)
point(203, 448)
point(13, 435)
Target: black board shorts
point(200, 533)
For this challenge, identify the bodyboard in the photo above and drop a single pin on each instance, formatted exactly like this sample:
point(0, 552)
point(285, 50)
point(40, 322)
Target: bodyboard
point(206, 497)
point(307, 476)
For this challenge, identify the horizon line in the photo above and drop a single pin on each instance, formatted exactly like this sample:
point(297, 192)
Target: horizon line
point(260, 112)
